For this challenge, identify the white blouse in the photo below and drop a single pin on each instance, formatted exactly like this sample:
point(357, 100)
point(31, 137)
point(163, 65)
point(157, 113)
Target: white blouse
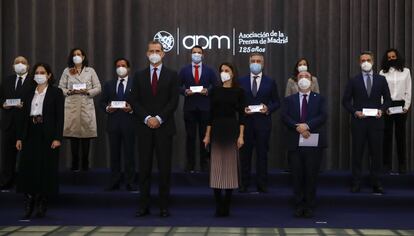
point(399, 83)
point(37, 103)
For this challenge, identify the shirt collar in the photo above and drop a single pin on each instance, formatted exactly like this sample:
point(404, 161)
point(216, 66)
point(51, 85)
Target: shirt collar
point(159, 67)
point(125, 79)
point(301, 94)
point(259, 75)
point(368, 73)
point(199, 64)
point(44, 91)
point(23, 76)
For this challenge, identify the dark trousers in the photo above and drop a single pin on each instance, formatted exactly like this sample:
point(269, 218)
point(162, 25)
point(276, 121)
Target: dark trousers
point(148, 141)
point(8, 157)
point(194, 119)
point(122, 141)
point(75, 144)
point(305, 163)
point(399, 121)
point(367, 130)
point(258, 140)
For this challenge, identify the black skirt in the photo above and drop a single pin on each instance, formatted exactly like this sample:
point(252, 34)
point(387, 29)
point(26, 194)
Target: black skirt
point(38, 164)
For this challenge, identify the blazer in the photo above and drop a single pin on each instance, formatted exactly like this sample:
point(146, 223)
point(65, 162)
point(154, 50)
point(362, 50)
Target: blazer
point(7, 91)
point(316, 118)
point(355, 97)
point(208, 79)
point(53, 114)
point(163, 104)
point(267, 94)
point(118, 119)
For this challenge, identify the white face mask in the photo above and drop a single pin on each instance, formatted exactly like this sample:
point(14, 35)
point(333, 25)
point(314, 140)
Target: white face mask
point(366, 66)
point(304, 83)
point(121, 71)
point(154, 58)
point(77, 59)
point(302, 68)
point(225, 76)
point(40, 79)
point(196, 58)
point(20, 68)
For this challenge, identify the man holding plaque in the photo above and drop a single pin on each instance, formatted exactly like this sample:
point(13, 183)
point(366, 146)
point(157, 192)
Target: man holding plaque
point(12, 90)
point(121, 125)
point(367, 97)
point(304, 115)
point(196, 79)
point(262, 99)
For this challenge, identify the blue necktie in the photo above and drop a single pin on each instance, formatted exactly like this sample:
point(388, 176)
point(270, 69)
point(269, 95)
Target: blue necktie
point(120, 92)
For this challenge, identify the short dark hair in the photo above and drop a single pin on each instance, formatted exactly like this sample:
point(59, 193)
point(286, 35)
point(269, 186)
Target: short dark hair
point(371, 54)
point(234, 83)
point(295, 69)
point(156, 42)
point(48, 70)
point(122, 59)
point(399, 64)
point(70, 58)
point(197, 46)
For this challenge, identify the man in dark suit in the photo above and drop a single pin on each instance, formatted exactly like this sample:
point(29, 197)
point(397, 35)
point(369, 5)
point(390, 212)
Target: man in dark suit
point(120, 125)
point(366, 91)
point(304, 114)
point(155, 99)
point(196, 105)
point(259, 89)
point(13, 87)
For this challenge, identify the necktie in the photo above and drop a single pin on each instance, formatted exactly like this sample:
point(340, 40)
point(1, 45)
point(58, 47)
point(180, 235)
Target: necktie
point(304, 110)
point(120, 92)
point(254, 86)
point(196, 74)
point(154, 82)
point(369, 84)
point(19, 83)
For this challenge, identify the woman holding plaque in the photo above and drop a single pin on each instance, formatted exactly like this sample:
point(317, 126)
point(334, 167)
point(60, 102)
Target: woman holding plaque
point(225, 133)
point(80, 85)
point(399, 81)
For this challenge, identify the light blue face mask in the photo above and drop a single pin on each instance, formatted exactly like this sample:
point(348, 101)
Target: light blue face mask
point(255, 68)
point(196, 57)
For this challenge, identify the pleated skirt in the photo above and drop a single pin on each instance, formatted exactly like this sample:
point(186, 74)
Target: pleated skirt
point(224, 169)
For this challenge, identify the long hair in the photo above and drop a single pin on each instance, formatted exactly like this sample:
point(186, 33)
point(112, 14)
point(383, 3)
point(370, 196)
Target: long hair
point(48, 70)
point(234, 83)
point(399, 62)
point(70, 58)
point(295, 69)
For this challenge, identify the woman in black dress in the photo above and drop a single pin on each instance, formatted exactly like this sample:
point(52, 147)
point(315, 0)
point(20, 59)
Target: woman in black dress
point(225, 133)
point(39, 138)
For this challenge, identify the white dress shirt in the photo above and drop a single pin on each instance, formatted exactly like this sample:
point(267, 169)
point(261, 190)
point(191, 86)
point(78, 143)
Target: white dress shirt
point(37, 103)
point(200, 69)
point(17, 79)
point(124, 83)
point(399, 83)
point(258, 80)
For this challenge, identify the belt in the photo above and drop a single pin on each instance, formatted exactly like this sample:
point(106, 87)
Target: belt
point(37, 119)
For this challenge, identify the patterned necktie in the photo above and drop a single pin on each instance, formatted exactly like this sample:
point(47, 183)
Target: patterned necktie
point(254, 86)
point(154, 82)
point(120, 93)
point(304, 110)
point(196, 74)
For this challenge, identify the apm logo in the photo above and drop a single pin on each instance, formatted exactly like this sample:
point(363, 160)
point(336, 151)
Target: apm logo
point(189, 41)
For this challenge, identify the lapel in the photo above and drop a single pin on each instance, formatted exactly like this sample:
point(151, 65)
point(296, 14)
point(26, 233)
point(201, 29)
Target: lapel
point(162, 77)
point(297, 104)
point(311, 103)
point(113, 88)
point(262, 85)
point(128, 87)
point(361, 83)
point(147, 79)
point(47, 99)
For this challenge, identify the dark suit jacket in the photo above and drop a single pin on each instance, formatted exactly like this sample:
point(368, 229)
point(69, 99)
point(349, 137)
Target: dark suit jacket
point(118, 119)
point(316, 118)
point(355, 97)
point(7, 91)
point(163, 104)
point(267, 95)
point(53, 114)
point(208, 80)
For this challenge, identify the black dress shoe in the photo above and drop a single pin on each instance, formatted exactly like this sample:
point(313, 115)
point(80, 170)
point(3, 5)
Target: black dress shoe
point(262, 189)
point(131, 188)
point(299, 212)
point(164, 213)
point(308, 213)
point(377, 189)
point(243, 189)
point(142, 212)
point(355, 188)
point(112, 187)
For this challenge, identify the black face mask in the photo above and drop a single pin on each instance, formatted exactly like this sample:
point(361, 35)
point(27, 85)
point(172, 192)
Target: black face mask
point(393, 63)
